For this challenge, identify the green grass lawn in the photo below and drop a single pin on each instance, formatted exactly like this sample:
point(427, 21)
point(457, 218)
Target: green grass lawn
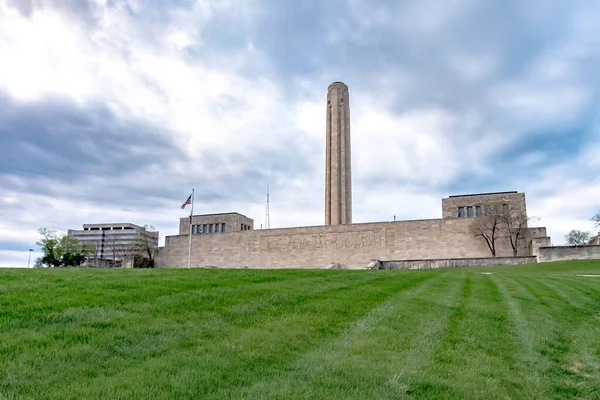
point(525, 332)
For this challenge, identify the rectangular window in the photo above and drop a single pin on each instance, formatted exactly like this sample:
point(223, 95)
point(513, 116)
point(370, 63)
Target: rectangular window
point(470, 212)
point(488, 211)
point(461, 212)
point(204, 228)
point(223, 227)
point(210, 228)
point(478, 211)
point(217, 226)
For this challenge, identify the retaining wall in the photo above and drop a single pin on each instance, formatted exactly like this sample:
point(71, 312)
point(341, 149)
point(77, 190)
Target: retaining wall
point(565, 253)
point(456, 262)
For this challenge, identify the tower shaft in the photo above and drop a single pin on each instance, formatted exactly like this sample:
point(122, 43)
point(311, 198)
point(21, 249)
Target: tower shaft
point(338, 177)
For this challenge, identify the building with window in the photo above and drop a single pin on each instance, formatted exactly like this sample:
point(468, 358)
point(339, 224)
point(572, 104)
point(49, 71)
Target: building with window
point(231, 242)
point(207, 224)
point(228, 240)
point(481, 204)
point(112, 241)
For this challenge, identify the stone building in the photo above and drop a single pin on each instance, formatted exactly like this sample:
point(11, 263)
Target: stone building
point(215, 223)
point(229, 241)
point(353, 245)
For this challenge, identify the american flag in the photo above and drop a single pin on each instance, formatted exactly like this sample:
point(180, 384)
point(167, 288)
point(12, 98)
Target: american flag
point(188, 201)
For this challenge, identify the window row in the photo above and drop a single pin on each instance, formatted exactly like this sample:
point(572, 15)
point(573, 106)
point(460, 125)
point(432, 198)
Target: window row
point(245, 227)
point(469, 211)
point(109, 228)
point(479, 211)
point(209, 228)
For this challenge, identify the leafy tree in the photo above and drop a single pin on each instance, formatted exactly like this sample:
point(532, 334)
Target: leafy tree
point(577, 238)
point(62, 250)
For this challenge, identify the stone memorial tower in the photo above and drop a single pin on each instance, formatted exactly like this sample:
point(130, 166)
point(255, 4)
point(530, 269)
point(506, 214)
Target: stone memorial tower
point(338, 178)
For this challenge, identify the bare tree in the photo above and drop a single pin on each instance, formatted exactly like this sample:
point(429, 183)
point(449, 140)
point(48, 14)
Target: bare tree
point(596, 219)
point(117, 250)
point(144, 245)
point(488, 227)
point(515, 228)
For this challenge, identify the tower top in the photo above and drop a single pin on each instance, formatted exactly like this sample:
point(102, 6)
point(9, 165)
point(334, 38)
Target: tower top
point(337, 84)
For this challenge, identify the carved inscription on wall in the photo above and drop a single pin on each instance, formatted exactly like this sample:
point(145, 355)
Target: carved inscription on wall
point(322, 241)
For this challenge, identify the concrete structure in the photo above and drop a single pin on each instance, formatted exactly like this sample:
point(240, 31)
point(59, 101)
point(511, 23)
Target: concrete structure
point(340, 243)
point(216, 223)
point(565, 253)
point(338, 160)
point(350, 245)
point(111, 240)
point(457, 262)
point(477, 205)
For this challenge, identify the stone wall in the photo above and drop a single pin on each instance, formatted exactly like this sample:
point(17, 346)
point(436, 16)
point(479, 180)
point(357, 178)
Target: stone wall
point(537, 242)
point(233, 222)
point(565, 253)
point(514, 200)
point(318, 246)
point(457, 262)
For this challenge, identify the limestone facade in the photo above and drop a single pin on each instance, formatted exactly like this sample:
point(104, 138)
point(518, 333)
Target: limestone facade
point(565, 253)
point(339, 241)
point(351, 245)
point(475, 205)
point(216, 223)
point(338, 159)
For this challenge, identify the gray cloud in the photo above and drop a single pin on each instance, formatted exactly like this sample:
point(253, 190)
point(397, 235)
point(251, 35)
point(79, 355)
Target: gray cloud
point(446, 97)
point(62, 139)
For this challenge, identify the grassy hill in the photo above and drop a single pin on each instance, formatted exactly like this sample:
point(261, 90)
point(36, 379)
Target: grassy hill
point(526, 332)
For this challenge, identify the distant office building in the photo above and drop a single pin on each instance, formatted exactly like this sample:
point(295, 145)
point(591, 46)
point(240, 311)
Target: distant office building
point(112, 241)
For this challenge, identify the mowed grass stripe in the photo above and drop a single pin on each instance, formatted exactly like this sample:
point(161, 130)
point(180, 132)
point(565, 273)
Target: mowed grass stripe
point(377, 355)
point(476, 354)
point(74, 331)
point(589, 288)
point(521, 327)
point(553, 326)
point(290, 333)
point(192, 354)
point(261, 349)
point(72, 287)
point(569, 294)
point(572, 349)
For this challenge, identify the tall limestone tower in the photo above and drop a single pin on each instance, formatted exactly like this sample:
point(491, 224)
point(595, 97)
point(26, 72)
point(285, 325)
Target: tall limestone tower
point(338, 179)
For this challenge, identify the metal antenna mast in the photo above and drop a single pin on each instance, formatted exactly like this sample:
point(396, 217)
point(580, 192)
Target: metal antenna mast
point(267, 216)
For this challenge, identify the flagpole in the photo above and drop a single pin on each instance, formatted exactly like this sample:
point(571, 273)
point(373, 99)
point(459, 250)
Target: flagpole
point(190, 247)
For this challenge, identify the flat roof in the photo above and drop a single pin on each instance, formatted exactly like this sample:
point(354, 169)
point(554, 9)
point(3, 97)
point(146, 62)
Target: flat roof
point(211, 214)
point(481, 194)
point(115, 224)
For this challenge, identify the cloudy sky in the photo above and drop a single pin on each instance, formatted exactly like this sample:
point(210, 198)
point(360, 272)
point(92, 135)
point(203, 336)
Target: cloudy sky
point(113, 110)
